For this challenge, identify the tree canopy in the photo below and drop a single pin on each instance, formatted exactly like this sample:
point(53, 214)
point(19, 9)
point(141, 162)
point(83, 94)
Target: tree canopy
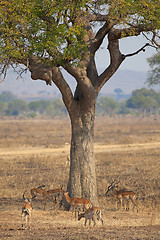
point(55, 31)
point(143, 99)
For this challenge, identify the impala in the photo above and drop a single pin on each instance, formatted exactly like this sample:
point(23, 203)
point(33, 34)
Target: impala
point(56, 193)
point(122, 194)
point(26, 212)
point(77, 203)
point(91, 214)
point(36, 192)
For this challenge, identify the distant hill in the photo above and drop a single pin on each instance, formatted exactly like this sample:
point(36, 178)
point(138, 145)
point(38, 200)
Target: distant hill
point(26, 88)
point(125, 80)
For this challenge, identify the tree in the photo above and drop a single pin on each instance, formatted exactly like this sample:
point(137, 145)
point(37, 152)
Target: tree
point(16, 107)
point(39, 106)
point(46, 36)
point(154, 74)
point(118, 93)
point(107, 105)
point(58, 107)
point(2, 108)
point(7, 96)
point(143, 99)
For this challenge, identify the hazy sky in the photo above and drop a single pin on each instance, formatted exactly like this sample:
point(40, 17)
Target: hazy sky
point(137, 62)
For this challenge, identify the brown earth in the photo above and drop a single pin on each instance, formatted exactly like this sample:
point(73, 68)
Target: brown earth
point(34, 152)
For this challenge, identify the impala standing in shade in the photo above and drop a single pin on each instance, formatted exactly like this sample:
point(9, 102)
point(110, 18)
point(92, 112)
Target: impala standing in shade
point(39, 191)
point(78, 203)
point(91, 214)
point(56, 193)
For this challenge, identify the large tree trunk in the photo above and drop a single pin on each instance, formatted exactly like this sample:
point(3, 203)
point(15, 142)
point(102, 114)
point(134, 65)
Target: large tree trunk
point(82, 178)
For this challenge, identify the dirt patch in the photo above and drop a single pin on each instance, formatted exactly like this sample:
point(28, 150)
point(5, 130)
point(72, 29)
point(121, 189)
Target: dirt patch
point(60, 225)
point(97, 148)
point(33, 153)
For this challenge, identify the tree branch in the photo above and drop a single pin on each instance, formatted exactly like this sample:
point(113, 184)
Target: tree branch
point(3, 72)
point(84, 83)
point(134, 53)
point(153, 40)
point(131, 31)
point(49, 73)
point(116, 58)
point(102, 32)
point(97, 17)
point(64, 88)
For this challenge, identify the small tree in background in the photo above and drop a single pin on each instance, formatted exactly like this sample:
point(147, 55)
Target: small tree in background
point(106, 105)
point(118, 93)
point(143, 100)
point(16, 107)
point(46, 36)
point(7, 96)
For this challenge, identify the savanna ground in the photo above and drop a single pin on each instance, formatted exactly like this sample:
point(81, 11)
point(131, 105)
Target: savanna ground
point(34, 152)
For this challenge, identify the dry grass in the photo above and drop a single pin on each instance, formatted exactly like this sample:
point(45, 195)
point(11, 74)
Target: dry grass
point(35, 152)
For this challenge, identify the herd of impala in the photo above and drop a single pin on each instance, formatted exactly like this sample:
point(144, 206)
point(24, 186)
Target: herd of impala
point(90, 212)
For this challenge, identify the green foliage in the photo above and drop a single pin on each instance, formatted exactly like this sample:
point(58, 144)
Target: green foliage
point(39, 106)
point(122, 109)
point(142, 12)
point(56, 109)
point(3, 107)
point(16, 107)
point(39, 28)
point(48, 107)
point(118, 93)
point(31, 115)
point(106, 105)
point(10, 106)
point(143, 99)
point(154, 74)
point(52, 30)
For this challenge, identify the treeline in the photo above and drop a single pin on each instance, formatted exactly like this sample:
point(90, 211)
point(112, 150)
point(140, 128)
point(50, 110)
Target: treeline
point(141, 101)
point(11, 106)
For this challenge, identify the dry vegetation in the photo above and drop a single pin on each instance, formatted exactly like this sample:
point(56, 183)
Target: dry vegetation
point(34, 152)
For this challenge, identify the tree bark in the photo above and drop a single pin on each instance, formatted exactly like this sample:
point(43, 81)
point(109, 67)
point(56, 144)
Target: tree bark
point(82, 177)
